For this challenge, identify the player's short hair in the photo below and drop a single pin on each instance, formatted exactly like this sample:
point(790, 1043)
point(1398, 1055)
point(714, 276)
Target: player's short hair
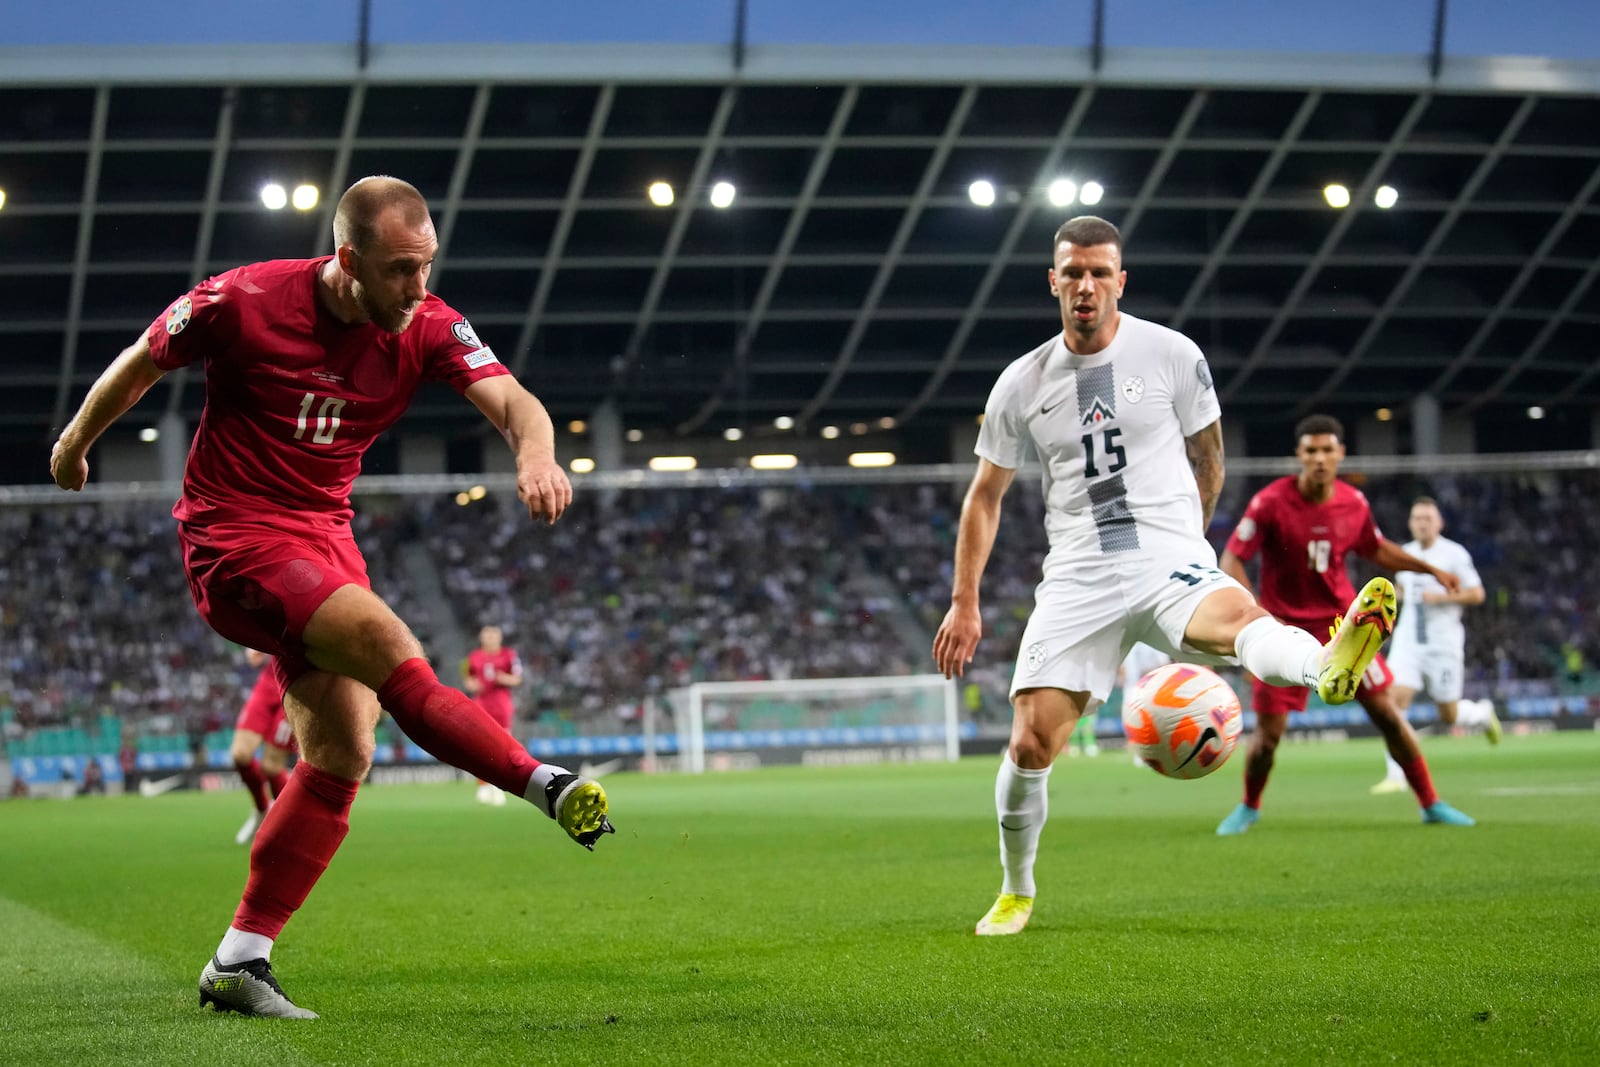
point(1426, 501)
point(1088, 230)
point(1316, 425)
point(361, 205)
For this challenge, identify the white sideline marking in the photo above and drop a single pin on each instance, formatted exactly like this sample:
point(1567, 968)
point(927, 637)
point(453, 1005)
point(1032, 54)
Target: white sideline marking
point(1576, 789)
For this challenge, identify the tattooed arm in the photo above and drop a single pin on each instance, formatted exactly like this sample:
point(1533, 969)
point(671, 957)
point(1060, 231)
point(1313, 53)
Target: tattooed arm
point(1205, 458)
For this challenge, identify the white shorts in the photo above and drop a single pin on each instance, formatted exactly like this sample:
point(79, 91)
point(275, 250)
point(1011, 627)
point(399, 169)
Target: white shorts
point(1438, 670)
point(1083, 625)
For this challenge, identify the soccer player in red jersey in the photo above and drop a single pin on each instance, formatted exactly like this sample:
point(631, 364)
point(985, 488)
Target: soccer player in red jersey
point(262, 724)
point(306, 362)
point(489, 674)
point(1303, 526)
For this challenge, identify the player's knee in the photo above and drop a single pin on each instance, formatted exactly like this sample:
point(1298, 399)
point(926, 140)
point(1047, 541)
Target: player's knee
point(347, 757)
point(273, 761)
point(241, 753)
point(1448, 713)
point(1030, 748)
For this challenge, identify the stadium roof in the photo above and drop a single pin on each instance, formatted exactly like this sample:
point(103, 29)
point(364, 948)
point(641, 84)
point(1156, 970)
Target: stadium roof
point(853, 278)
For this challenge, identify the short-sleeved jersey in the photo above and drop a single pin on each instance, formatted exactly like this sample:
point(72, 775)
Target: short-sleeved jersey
point(488, 666)
point(295, 397)
point(1303, 546)
point(1109, 429)
point(1429, 625)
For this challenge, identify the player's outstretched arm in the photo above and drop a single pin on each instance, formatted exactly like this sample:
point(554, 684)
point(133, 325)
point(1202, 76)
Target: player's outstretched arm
point(1391, 556)
point(958, 635)
point(1205, 457)
point(541, 483)
point(117, 389)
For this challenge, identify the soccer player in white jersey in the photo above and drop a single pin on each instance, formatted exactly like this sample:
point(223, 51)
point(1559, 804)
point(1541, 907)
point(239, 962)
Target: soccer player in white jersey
point(1429, 650)
point(1126, 423)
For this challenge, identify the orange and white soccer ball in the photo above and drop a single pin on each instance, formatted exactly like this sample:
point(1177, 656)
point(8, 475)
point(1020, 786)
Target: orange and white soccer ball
point(1182, 720)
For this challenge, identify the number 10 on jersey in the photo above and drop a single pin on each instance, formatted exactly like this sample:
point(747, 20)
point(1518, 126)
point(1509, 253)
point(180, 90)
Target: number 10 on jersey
point(327, 418)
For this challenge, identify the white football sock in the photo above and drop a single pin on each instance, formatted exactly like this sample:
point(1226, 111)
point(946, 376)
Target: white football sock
point(1022, 803)
point(1278, 654)
point(1395, 773)
point(238, 946)
point(542, 775)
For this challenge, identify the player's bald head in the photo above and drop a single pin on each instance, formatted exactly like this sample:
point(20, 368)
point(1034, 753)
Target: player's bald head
point(355, 221)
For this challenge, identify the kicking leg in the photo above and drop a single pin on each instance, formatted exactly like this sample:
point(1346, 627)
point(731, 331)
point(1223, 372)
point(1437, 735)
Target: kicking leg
point(354, 633)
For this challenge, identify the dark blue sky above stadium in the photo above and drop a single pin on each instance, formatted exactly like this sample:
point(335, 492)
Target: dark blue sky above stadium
point(1568, 29)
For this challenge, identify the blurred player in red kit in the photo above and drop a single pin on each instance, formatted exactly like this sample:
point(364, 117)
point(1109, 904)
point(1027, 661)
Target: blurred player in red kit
point(306, 362)
point(489, 674)
point(262, 724)
point(1303, 526)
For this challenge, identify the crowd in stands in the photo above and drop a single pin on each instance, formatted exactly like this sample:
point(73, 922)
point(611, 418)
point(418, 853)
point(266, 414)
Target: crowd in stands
point(632, 595)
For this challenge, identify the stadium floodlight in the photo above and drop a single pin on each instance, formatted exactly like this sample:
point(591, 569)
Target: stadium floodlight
point(577, 426)
point(886, 423)
point(305, 197)
point(661, 194)
point(783, 422)
point(1063, 192)
point(981, 192)
point(722, 194)
point(1091, 193)
point(1336, 195)
point(732, 433)
point(673, 463)
point(774, 461)
point(871, 459)
point(830, 432)
point(2, 199)
point(273, 198)
point(478, 492)
point(1386, 197)
point(859, 428)
point(1536, 412)
point(636, 436)
point(582, 465)
point(463, 499)
point(1383, 414)
point(149, 434)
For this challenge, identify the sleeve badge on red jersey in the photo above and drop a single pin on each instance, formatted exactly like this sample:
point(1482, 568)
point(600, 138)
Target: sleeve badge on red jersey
point(178, 316)
point(481, 354)
point(1247, 528)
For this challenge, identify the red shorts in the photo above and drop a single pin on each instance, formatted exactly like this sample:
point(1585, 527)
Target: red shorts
point(1281, 700)
point(498, 706)
point(263, 713)
point(259, 586)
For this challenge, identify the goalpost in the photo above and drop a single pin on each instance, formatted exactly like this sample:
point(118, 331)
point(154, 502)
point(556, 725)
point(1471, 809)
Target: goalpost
point(897, 718)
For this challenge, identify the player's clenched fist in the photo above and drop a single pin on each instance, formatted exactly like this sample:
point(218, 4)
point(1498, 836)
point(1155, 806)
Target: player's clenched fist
point(68, 468)
point(544, 488)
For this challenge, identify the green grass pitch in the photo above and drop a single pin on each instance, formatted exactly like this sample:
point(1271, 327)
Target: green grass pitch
point(820, 916)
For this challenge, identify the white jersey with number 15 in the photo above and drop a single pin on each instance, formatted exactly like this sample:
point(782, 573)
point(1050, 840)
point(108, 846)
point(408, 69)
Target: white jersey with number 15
point(1109, 429)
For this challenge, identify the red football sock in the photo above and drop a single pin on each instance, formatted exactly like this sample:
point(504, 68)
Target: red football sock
point(299, 836)
point(1254, 784)
point(1421, 781)
point(278, 781)
point(450, 726)
point(255, 781)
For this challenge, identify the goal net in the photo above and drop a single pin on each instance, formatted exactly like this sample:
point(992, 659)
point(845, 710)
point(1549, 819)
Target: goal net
point(817, 721)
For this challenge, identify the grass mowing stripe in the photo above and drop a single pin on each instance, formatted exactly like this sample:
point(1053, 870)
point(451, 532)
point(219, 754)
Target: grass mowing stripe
point(69, 997)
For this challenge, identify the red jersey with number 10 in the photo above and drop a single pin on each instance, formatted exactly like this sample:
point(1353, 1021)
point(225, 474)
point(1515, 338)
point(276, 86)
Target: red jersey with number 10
point(1303, 546)
point(295, 397)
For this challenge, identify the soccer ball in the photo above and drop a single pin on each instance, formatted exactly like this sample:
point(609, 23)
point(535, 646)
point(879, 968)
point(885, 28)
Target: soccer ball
point(1182, 720)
